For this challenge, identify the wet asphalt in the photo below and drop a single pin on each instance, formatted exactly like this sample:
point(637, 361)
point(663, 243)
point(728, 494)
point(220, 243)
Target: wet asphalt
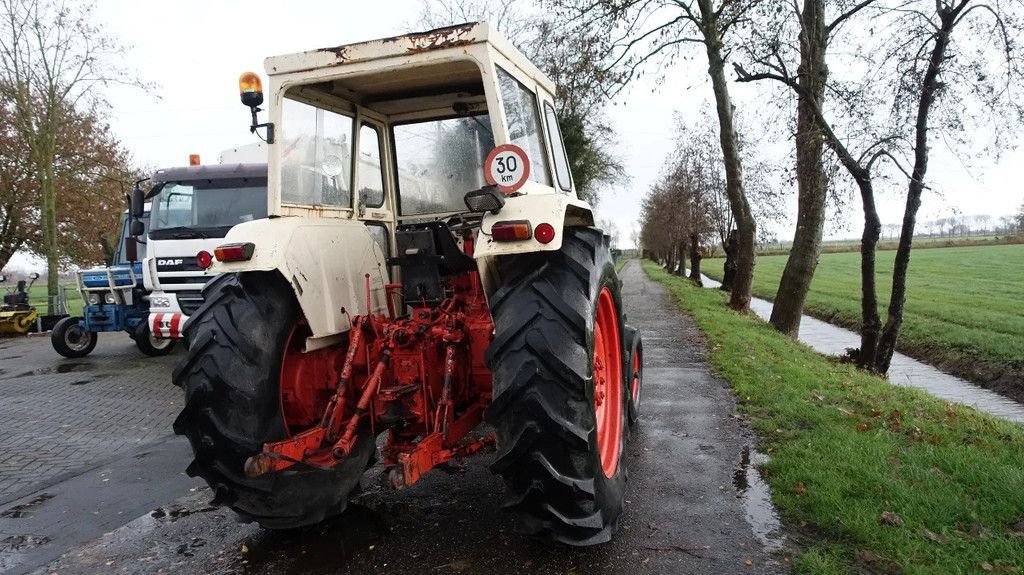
point(695, 502)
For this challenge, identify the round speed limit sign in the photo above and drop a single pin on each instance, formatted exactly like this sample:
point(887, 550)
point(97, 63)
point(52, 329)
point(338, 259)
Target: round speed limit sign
point(507, 166)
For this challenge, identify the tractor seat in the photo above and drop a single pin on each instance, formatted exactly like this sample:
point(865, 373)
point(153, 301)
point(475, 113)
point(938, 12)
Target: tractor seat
point(427, 252)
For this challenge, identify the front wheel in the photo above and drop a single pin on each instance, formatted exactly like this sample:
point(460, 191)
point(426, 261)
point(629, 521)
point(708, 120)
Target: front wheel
point(70, 339)
point(560, 406)
point(149, 344)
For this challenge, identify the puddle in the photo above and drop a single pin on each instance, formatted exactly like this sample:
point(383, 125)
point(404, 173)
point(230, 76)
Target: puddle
point(63, 367)
point(23, 510)
point(757, 502)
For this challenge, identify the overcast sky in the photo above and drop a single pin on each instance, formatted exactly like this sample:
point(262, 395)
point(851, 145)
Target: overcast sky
point(194, 51)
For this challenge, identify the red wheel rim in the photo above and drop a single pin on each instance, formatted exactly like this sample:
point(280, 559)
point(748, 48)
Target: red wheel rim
point(608, 382)
point(636, 377)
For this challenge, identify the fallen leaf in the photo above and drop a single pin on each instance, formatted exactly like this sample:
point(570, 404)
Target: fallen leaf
point(245, 548)
point(865, 556)
point(986, 566)
point(933, 536)
point(890, 518)
point(799, 489)
point(863, 426)
point(748, 562)
point(817, 396)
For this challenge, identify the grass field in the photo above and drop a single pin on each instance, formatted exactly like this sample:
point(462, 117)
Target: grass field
point(37, 297)
point(964, 310)
point(869, 477)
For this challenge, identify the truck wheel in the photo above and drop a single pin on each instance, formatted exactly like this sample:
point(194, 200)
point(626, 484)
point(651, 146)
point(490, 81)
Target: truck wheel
point(635, 373)
point(233, 405)
point(149, 344)
point(559, 402)
point(71, 340)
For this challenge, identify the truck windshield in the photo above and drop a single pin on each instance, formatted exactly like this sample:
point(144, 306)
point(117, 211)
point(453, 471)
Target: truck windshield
point(206, 209)
point(438, 161)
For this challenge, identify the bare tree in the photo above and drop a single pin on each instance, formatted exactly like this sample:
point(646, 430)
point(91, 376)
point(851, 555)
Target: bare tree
point(772, 48)
point(936, 71)
point(915, 51)
point(52, 59)
point(644, 34)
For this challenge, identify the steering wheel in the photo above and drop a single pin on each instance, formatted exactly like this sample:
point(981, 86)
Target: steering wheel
point(464, 221)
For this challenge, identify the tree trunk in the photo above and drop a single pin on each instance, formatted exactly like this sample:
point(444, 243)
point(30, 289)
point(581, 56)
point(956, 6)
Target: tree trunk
point(48, 215)
point(870, 322)
point(681, 255)
point(730, 262)
point(930, 84)
point(695, 258)
point(747, 230)
point(811, 183)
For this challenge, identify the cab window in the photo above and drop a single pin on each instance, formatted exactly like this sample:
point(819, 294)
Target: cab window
point(316, 156)
point(524, 124)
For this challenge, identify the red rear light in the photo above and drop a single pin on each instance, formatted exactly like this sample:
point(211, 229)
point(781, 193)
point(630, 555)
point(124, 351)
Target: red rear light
point(511, 231)
point(204, 259)
point(235, 252)
point(544, 233)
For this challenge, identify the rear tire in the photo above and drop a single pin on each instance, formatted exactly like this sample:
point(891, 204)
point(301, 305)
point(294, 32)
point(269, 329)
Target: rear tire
point(150, 345)
point(71, 340)
point(542, 361)
point(231, 377)
point(635, 373)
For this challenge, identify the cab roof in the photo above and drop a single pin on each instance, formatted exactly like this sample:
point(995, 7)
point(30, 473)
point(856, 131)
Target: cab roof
point(210, 172)
point(448, 39)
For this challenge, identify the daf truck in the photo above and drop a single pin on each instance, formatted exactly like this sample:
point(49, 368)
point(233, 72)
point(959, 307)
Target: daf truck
point(193, 207)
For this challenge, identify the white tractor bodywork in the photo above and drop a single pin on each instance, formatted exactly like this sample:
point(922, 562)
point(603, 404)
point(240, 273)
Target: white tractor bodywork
point(346, 115)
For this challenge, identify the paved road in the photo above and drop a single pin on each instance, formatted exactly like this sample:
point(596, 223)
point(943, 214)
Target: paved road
point(62, 415)
point(695, 504)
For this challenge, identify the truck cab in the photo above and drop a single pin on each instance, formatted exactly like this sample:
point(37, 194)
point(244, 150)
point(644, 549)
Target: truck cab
point(193, 208)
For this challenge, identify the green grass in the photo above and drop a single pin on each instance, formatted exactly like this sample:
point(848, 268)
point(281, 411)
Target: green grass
point(963, 310)
point(846, 447)
point(839, 246)
point(37, 297)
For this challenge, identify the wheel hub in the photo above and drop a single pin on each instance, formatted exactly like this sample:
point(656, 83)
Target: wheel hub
point(608, 383)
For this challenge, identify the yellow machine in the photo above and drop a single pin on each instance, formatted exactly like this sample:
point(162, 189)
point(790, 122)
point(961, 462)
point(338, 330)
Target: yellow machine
point(16, 315)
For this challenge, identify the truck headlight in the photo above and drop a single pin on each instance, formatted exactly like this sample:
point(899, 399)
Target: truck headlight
point(110, 298)
point(93, 298)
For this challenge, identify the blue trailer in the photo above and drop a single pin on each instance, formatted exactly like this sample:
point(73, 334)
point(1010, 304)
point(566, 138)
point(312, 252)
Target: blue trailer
point(114, 300)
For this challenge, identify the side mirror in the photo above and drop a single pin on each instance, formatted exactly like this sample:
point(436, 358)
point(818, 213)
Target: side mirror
point(136, 229)
point(138, 202)
point(486, 199)
point(131, 248)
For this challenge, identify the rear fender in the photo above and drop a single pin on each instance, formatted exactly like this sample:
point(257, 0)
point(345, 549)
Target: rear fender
point(326, 261)
point(558, 209)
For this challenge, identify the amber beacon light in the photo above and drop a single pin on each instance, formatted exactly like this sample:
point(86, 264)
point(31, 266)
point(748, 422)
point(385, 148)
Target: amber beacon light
point(250, 88)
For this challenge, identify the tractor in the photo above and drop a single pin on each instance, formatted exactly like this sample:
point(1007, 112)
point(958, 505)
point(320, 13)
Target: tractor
point(427, 280)
point(17, 315)
point(114, 299)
